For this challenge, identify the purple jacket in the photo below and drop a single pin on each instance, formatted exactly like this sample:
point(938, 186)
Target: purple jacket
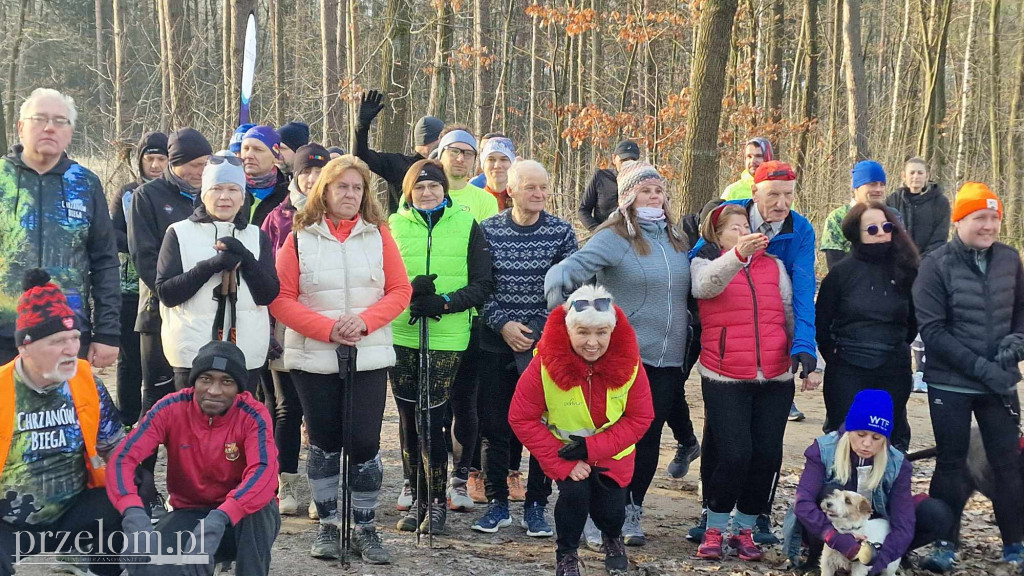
point(900, 505)
point(278, 224)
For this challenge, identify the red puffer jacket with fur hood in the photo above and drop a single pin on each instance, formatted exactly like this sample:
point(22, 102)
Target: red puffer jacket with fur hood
point(569, 370)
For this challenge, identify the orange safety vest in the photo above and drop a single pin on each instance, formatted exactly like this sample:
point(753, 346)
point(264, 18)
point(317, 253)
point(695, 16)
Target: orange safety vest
point(87, 407)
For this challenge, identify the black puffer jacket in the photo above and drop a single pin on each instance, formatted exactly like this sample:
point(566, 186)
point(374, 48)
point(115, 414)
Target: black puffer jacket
point(926, 215)
point(267, 205)
point(964, 313)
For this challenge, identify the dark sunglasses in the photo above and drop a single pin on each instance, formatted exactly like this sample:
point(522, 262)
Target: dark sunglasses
point(599, 304)
point(873, 229)
point(233, 160)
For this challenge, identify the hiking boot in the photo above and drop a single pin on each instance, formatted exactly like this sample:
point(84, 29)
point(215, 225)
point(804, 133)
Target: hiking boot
point(592, 535)
point(411, 519)
point(696, 534)
point(405, 498)
point(1013, 554)
point(475, 487)
point(632, 532)
point(458, 495)
point(311, 511)
point(516, 491)
point(795, 415)
point(496, 517)
point(434, 521)
point(711, 545)
point(615, 561)
point(327, 544)
point(763, 531)
point(286, 501)
point(366, 542)
point(942, 558)
point(569, 565)
point(533, 520)
point(743, 544)
point(685, 455)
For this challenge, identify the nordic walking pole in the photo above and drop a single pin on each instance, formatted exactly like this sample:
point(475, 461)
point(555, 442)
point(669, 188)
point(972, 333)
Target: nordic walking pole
point(346, 373)
point(424, 401)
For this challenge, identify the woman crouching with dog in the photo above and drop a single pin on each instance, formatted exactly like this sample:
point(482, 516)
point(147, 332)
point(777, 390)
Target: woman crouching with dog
point(580, 408)
point(859, 458)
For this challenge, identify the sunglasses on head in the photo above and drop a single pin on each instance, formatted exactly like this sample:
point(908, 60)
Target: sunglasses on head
point(874, 228)
point(233, 160)
point(599, 304)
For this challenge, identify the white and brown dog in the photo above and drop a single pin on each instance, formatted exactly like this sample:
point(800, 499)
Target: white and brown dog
point(850, 513)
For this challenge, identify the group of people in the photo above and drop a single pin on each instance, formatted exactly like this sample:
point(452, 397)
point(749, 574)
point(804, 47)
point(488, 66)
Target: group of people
point(237, 288)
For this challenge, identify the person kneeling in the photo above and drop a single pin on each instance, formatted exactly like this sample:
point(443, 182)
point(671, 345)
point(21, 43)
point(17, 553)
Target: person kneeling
point(221, 467)
point(580, 408)
point(860, 459)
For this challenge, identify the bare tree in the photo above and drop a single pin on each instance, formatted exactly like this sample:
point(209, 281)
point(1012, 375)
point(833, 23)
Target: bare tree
point(993, 93)
point(699, 159)
point(329, 79)
point(809, 99)
point(965, 97)
point(856, 95)
point(101, 58)
point(897, 79)
point(775, 51)
point(395, 75)
point(440, 78)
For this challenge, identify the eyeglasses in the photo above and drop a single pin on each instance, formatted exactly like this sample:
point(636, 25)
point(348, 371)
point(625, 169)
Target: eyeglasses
point(599, 304)
point(43, 120)
point(873, 229)
point(459, 152)
point(214, 160)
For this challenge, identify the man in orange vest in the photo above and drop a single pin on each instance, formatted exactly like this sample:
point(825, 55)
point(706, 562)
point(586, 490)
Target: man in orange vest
point(57, 426)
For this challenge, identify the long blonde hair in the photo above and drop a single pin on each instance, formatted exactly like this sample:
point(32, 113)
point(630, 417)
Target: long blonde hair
point(316, 203)
point(843, 467)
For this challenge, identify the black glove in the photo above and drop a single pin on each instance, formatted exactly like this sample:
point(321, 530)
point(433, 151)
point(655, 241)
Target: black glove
point(1011, 351)
point(423, 285)
point(140, 537)
point(208, 535)
point(274, 349)
point(576, 449)
point(428, 306)
point(370, 104)
point(224, 261)
point(805, 362)
point(235, 246)
point(994, 376)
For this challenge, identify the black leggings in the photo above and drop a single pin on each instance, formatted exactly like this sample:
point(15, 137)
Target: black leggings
point(157, 380)
point(951, 423)
point(321, 398)
point(129, 363)
point(844, 380)
point(666, 383)
point(678, 419)
point(287, 422)
point(598, 496)
point(462, 404)
point(749, 422)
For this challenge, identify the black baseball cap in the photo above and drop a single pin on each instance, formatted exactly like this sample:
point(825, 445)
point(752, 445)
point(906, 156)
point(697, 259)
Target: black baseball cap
point(627, 150)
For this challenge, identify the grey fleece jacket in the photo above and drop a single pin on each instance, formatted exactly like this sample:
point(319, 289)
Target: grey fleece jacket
point(651, 289)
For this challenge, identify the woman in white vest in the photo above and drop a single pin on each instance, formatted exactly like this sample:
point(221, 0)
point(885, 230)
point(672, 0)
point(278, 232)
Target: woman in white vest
point(446, 252)
point(342, 283)
point(215, 275)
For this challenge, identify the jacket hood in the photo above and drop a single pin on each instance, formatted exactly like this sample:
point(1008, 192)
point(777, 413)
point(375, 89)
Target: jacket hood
point(201, 216)
point(931, 191)
point(569, 369)
point(147, 141)
point(62, 166)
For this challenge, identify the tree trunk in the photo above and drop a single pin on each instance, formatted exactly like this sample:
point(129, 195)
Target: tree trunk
point(533, 87)
point(101, 59)
point(225, 63)
point(934, 31)
point(965, 99)
point(699, 161)
point(993, 94)
point(775, 51)
point(353, 68)
point(277, 44)
point(837, 52)
point(395, 77)
point(890, 145)
point(506, 66)
point(165, 64)
point(440, 79)
point(329, 73)
point(3, 125)
point(118, 80)
point(1015, 140)
point(483, 98)
point(856, 95)
point(810, 95)
point(12, 65)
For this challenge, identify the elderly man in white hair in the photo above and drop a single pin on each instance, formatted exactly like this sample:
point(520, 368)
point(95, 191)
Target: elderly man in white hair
point(580, 408)
point(55, 217)
point(525, 242)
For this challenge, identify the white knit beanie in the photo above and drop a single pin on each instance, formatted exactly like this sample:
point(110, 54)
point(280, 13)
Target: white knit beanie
point(223, 173)
point(589, 316)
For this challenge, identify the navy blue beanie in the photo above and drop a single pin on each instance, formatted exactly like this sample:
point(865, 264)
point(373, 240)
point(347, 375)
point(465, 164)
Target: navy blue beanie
point(294, 134)
point(872, 411)
point(866, 172)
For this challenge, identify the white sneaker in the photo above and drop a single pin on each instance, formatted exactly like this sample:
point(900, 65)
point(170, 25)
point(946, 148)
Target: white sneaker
point(592, 535)
point(458, 496)
point(287, 483)
point(311, 511)
point(405, 498)
point(919, 384)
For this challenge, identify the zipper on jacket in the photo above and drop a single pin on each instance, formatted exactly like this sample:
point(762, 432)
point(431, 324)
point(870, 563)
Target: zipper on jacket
point(721, 349)
point(39, 223)
point(757, 329)
point(668, 321)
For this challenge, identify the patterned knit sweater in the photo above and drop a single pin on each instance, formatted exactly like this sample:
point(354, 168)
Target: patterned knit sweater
point(521, 256)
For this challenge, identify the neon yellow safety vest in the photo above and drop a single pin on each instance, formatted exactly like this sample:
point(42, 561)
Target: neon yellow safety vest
point(568, 413)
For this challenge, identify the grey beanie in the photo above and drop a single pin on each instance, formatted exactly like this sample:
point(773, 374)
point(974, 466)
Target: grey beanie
point(427, 131)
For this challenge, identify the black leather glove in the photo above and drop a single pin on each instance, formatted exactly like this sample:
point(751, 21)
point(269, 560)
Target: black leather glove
point(208, 535)
point(576, 449)
point(428, 306)
point(423, 285)
point(805, 362)
point(994, 376)
point(1011, 351)
point(370, 104)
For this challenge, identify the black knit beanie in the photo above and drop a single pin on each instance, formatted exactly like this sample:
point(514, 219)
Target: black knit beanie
point(310, 156)
point(185, 145)
point(223, 356)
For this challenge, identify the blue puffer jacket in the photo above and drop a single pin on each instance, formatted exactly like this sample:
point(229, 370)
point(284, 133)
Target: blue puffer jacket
point(794, 245)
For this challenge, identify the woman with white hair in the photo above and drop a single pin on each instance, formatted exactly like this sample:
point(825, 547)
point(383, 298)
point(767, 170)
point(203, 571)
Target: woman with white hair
point(580, 408)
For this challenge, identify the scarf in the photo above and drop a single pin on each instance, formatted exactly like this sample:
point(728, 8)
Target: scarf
point(262, 186)
point(650, 214)
point(297, 199)
point(183, 187)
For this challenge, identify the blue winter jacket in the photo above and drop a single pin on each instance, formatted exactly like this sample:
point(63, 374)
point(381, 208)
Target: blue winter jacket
point(794, 245)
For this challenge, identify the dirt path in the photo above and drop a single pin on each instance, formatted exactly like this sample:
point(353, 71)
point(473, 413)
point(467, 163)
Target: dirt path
point(671, 508)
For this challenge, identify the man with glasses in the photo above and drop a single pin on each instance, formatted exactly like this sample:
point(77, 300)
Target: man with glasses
point(458, 154)
point(53, 215)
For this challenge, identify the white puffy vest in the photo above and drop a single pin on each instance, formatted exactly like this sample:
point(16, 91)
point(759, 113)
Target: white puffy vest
point(187, 327)
point(337, 278)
